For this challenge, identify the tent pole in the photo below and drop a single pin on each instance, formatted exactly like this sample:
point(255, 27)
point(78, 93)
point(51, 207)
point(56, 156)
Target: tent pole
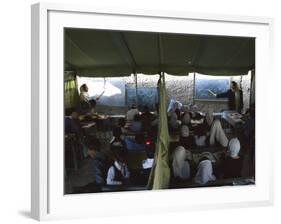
point(193, 97)
point(136, 84)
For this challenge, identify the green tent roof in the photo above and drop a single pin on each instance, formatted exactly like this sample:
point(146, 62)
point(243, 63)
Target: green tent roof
point(120, 53)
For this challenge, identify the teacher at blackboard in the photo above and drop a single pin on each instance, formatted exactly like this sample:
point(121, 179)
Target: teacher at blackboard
point(235, 97)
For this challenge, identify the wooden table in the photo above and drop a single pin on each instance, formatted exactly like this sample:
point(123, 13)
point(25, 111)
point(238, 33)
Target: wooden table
point(233, 118)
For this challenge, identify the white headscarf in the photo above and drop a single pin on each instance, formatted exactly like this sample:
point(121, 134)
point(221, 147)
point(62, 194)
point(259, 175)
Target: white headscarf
point(209, 118)
point(184, 131)
point(181, 166)
point(186, 118)
point(173, 105)
point(234, 147)
point(204, 172)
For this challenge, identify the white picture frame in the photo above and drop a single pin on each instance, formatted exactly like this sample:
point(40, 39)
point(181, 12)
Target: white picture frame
point(48, 201)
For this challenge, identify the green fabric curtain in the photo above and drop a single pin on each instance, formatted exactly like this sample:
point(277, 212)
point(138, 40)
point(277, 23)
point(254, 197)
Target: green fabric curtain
point(160, 173)
point(71, 96)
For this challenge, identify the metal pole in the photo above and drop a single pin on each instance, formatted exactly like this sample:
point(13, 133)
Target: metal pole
point(136, 83)
point(193, 99)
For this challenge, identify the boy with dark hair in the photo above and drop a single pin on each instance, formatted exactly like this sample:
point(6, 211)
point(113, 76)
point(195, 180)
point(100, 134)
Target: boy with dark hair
point(99, 162)
point(146, 118)
point(117, 142)
point(118, 173)
point(122, 124)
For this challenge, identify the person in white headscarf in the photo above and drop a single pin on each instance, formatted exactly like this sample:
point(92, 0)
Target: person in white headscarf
point(186, 118)
point(232, 165)
point(173, 105)
point(181, 166)
point(174, 121)
point(234, 148)
point(204, 173)
point(184, 131)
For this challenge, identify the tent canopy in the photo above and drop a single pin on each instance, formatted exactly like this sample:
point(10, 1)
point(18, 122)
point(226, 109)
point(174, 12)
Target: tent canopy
point(98, 53)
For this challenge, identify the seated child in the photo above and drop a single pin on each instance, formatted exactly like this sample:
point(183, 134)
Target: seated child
point(140, 176)
point(118, 173)
point(232, 165)
point(186, 118)
point(200, 135)
point(136, 124)
point(146, 119)
point(99, 163)
point(135, 144)
point(210, 132)
point(122, 124)
point(186, 140)
point(131, 114)
point(72, 124)
point(117, 142)
point(174, 122)
point(181, 165)
point(204, 172)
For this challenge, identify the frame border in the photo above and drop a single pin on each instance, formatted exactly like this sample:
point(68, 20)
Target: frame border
point(40, 84)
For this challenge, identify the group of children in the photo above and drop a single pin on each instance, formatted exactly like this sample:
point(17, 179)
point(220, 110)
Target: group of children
point(113, 170)
point(138, 132)
point(195, 131)
point(200, 131)
point(207, 167)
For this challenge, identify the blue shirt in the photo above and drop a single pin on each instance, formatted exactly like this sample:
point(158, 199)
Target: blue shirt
point(132, 145)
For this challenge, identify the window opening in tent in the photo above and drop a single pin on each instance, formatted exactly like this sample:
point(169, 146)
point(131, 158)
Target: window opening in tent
point(206, 86)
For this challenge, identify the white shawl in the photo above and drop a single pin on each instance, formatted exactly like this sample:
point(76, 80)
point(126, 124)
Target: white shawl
point(181, 166)
point(234, 147)
point(204, 173)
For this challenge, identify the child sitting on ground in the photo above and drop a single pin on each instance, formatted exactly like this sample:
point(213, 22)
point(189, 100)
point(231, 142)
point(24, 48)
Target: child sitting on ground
point(99, 162)
point(117, 142)
point(118, 173)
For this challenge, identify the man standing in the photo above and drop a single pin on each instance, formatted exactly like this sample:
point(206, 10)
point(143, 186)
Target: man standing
point(235, 97)
point(87, 103)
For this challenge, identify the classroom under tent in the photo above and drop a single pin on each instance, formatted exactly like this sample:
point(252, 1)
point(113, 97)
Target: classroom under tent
point(108, 53)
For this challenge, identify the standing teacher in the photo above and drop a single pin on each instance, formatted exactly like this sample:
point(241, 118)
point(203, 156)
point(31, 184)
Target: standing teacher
point(235, 97)
point(87, 104)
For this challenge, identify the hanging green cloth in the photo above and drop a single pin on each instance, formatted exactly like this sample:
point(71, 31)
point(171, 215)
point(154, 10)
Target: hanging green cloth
point(160, 173)
point(71, 96)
